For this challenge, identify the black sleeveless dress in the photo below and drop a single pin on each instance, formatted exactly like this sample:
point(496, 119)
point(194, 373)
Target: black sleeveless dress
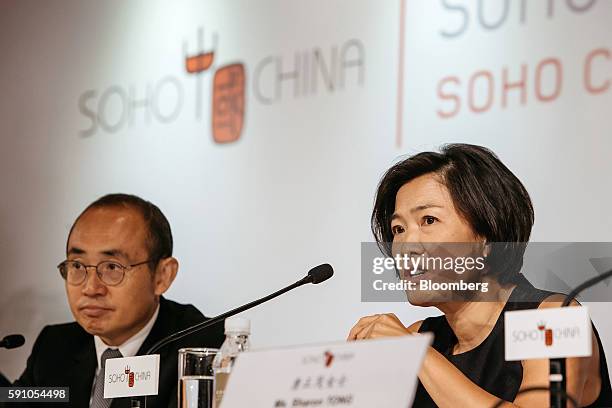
point(485, 364)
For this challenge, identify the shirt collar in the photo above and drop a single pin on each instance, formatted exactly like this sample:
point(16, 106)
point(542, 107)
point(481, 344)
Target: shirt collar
point(130, 347)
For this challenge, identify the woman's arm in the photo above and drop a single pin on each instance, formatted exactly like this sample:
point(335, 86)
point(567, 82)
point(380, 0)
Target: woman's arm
point(446, 384)
point(449, 387)
point(582, 373)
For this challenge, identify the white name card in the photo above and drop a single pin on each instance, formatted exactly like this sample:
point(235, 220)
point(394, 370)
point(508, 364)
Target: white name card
point(547, 333)
point(131, 376)
point(361, 374)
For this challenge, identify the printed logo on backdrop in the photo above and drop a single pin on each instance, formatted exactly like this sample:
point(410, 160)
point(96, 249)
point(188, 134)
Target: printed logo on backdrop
point(469, 81)
point(275, 79)
point(228, 99)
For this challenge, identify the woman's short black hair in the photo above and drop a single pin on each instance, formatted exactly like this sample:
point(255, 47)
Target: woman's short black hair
point(484, 191)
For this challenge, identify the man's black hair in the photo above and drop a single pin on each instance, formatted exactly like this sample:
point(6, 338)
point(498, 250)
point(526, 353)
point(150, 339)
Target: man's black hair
point(159, 235)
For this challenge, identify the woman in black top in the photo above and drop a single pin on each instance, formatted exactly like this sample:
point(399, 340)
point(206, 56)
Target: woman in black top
point(466, 195)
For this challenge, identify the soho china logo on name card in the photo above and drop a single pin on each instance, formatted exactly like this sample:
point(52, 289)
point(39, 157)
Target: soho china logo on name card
point(131, 376)
point(329, 375)
point(547, 333)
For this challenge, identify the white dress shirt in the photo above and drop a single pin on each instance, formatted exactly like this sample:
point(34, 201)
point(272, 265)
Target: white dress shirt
point(129, 348)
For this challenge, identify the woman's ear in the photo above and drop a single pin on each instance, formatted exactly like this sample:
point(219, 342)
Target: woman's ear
point(165, 273)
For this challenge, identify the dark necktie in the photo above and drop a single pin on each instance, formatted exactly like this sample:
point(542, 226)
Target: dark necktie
point(98, 400)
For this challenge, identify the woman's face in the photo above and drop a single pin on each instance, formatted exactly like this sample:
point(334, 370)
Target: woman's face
point(426, 225)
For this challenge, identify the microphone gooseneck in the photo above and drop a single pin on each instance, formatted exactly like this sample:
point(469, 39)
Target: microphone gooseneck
point(591, 282)
point(316, 275)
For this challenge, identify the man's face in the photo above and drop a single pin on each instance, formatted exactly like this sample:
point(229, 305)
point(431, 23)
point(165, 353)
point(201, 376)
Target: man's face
point(114, 313)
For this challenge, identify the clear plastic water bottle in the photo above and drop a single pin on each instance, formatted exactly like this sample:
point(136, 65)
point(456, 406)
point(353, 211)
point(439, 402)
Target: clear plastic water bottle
point(237, 331)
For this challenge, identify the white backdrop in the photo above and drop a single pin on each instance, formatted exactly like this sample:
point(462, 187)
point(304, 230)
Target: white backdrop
point(96, 99)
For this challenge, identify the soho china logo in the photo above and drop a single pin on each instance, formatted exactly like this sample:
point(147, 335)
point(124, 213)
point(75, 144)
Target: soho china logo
point(545, 335)
point(275, 79)
point(118, 107)
point(327, 358)
point(128, 376)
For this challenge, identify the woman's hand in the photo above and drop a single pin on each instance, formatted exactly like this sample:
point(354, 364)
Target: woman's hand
point(378, 326)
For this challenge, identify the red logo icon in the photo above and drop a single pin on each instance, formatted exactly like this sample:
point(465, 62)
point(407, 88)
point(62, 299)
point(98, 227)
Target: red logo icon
point(329, 358)
point(548, 333)
point(228, 96)
point(228, 103)
point(199, 63)
point(130, 375)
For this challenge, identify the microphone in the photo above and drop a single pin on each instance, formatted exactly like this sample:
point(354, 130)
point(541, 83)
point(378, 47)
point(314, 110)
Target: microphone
point(316, 275)
point(558, 380)
point(12, 341)
point(320, 273)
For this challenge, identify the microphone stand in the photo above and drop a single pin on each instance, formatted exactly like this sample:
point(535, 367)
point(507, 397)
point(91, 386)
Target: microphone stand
point(316, 275)
point(212, 321)
point(557, 370)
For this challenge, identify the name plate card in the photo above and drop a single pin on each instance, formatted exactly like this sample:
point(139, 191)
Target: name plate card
point(131, 376)
point(547, 333)
point(361, 374)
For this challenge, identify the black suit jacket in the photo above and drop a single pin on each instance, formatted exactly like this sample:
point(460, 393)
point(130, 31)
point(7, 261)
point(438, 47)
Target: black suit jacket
point(65, 355)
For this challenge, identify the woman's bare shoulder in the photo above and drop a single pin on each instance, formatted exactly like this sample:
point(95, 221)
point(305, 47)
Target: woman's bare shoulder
point(414, 327)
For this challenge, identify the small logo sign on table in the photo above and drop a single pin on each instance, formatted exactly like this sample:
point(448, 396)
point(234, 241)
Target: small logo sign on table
point(361, 374)
point(547, 333)
point(131, 376)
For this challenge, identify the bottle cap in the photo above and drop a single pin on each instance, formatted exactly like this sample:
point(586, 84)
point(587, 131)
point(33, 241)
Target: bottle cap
point(237, 325)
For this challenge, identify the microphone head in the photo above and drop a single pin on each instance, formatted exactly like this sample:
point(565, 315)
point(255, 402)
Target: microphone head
point(320, 273)
point(13, 341)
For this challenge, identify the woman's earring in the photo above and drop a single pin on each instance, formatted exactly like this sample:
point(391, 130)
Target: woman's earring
point(486, 250)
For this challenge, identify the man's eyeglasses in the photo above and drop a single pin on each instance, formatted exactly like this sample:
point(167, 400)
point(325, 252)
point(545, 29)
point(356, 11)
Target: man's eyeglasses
point(110, 273)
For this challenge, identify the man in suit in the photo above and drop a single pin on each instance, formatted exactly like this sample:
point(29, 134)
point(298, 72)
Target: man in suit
point(119, 263)
point(4, 382)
